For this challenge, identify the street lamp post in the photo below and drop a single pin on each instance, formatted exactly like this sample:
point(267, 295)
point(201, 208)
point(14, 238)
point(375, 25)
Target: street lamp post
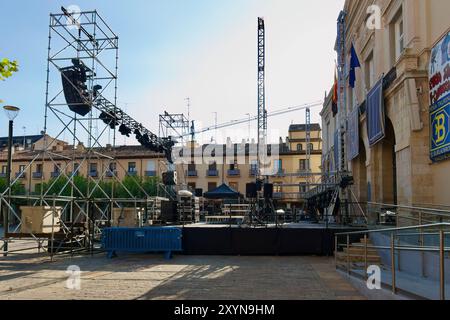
point(12, 113)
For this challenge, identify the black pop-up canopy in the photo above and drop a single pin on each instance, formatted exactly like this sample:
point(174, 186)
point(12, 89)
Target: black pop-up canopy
point(222, 192)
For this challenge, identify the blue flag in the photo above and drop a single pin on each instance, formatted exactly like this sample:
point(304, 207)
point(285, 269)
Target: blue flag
point(354, 63)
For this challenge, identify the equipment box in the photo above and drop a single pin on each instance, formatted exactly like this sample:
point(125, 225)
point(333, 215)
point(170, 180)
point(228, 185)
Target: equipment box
point(40, 219)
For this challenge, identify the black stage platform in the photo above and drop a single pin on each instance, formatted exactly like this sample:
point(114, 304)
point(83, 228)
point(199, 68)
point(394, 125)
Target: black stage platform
point(290, 239)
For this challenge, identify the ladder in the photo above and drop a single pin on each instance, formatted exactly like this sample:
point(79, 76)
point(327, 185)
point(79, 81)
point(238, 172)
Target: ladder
point(332, 206)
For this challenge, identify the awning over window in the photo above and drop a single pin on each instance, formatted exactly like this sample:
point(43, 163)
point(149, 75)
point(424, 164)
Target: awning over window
point(353, 134)
point(375, 114)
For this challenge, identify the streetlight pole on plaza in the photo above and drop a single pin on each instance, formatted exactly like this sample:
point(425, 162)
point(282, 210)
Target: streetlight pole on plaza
point(12, 113)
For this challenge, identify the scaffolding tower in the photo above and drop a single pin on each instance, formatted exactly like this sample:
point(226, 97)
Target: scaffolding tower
point(79, 41)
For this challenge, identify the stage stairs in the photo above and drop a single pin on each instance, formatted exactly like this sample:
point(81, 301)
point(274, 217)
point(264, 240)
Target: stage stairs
point(355, 255)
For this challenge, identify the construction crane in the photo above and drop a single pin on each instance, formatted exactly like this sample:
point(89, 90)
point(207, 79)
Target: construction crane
point(254, 118)
point(308, 148)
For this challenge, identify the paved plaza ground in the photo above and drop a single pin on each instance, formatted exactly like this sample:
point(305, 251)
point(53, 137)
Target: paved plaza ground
point(184, 277)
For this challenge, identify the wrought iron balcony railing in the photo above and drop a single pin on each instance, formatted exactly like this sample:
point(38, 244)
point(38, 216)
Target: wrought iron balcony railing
point(234, 172)
point(21, 175)
point(110, 174)
point(38, 175)
point(151, 173)
point(192, 173)
point(93, 174)
point(212, 173)
point(55, 174)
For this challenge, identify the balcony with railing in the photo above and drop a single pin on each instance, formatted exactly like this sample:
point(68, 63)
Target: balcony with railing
point(55, 174)
point(212, 173)
point(150, 173)
point(278, 195)
point(38, 175)
point(192, 173)
point(93, 174)
point(280, 173)
point(291, 196)
point(75, 174)
point(234, 172)
point(2, 175)
point(111, 173)
point(21, 175)
point(303, 172)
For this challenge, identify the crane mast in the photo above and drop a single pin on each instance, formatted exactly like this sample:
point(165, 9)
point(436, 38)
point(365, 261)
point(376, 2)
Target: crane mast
point(262, 112)
point(308, 149)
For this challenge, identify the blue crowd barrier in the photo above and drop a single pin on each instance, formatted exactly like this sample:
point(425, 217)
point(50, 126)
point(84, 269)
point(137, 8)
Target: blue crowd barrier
point(142, 240)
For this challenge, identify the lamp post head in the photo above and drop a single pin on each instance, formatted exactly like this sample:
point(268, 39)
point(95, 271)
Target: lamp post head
point(11, 112)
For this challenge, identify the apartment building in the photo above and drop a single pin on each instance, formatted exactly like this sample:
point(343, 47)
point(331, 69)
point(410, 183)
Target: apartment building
point(288, 169)
point(31, 167)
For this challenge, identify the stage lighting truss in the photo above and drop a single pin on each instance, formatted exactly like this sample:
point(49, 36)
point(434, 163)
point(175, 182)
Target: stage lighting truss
point(91, 50)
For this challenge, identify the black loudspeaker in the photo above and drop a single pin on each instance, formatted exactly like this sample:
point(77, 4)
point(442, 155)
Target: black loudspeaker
point(169, 211)
point(268, 190)
point(74, 86)
point(169, 178)
point(250, 190)
point(259, 185)
point(199, 193)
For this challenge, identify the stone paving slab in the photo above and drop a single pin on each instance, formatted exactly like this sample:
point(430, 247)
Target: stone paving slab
point(184, 277)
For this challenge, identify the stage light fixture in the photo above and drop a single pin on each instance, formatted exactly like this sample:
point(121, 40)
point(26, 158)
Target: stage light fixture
point(96, 90)
point(124, 130)
point(109, 119)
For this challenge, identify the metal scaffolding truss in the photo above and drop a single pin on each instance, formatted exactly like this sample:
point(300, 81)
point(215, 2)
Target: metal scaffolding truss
point(174, 125)
point(83, 39)
point(262, 112)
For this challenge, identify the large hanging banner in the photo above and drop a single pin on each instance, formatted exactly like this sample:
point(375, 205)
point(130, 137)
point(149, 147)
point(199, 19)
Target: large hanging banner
point(341, 55)
point(353, 134)
point(375, 114)
point(439, 75)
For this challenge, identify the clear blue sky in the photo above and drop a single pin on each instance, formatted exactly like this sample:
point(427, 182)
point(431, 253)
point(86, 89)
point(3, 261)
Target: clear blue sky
point(171, 49)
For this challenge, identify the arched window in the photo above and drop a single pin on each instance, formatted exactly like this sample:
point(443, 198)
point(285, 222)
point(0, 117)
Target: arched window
point(311, 147)
point(299, 147)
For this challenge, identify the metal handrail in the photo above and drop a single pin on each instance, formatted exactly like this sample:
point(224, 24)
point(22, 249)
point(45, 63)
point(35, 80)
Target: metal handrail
point(431, 211)
point(441, 248)
point(432, 205)
point(405, 248)
point(444, 224)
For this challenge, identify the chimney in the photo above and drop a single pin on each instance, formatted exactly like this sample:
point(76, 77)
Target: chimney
point(80, 146)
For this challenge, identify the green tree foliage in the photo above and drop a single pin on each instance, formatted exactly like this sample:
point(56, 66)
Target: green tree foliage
point(16, 190)
point(60, 186)
point(7, 68)
point(135, 185)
